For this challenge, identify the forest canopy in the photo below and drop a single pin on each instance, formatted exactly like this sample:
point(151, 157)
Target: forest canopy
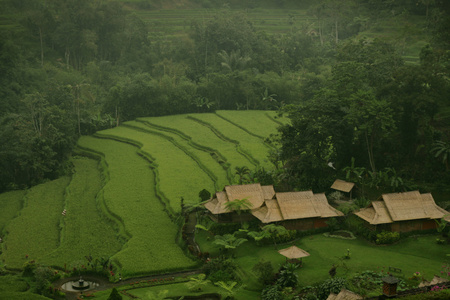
point(70, 68)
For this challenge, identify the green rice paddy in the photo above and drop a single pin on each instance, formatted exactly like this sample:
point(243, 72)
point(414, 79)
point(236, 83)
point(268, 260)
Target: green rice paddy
point(124, 205)
point(35, 232)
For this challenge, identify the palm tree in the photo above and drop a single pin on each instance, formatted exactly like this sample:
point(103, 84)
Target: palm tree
point(238, 205)
point(196, 283)
point(229, 287)
point(441, 148)
point(274, 231)
point(258, 235)
point(233, 60)
point(241, 172)
point(228, 241)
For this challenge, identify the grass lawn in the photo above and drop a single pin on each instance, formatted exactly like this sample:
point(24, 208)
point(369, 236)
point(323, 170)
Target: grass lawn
point(414, 254)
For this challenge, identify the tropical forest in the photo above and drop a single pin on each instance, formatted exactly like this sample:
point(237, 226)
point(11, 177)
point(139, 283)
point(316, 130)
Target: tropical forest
point(224, 149)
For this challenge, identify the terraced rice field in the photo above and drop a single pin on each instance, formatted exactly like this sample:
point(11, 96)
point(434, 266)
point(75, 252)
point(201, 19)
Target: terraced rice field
point(126, 208)
point(170, 23)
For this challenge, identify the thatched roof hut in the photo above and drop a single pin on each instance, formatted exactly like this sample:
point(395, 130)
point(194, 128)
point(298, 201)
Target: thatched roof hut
point(408, 206)
point(294, 206)
point(269, 206)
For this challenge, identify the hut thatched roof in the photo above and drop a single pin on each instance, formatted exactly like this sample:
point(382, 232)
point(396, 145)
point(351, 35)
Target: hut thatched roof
point(293, 252)
point(268, 213)
point(343, 186)
point(268, 192)
point(402, 207)
point(269, 206)
point(376, 214)
point(297, 205)
point(217, 204)
point(344, 294)
point(254, 193)
point(325, 209)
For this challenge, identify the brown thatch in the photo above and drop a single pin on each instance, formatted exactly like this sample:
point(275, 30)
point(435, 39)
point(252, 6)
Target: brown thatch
point(376, 214)
point(268, 192)
point(343, 186)
point(325, 209)
point(269, 206)
point(297, 205)
point(402, 207)
point(252, 192)
point(217, 205)
point(268, 213)
point(405, 206)
point(344, 294)
point(293, 252)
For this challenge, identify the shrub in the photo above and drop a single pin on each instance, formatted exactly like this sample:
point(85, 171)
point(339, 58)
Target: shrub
point(114, 295)
point(221, 269)
point(387, 237)
point(333, 285)
point(204, 195)
point(357, 226)
point(272, 292)
point(265, 271)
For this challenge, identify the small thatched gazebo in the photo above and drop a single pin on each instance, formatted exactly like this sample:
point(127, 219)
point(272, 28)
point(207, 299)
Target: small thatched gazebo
point(343, 186)
point(293, 254)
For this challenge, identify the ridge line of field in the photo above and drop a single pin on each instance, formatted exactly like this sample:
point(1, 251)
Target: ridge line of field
point(215, 154)
point(90, 153)
point(152, 165)
point(250, 158)
point(246, 130)
point(273, 119)
point(186, 151)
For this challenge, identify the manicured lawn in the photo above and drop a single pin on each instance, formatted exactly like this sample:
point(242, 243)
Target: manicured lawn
point(420, 254)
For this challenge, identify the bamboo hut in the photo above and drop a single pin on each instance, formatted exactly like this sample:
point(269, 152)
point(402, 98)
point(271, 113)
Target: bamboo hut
point(403, 212)
point(293, 210)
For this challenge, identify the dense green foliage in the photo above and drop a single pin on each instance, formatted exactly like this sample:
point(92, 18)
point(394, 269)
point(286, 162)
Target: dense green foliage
point(73, 67)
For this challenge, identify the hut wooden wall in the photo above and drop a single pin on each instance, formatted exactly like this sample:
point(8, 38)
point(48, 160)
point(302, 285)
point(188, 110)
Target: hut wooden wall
point(305, 224)
point(406, 226)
